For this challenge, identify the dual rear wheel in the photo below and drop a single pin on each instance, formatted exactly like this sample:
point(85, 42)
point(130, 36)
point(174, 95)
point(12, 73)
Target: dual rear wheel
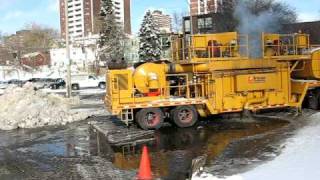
point(153, 118)
point(150, 118)
point(184, 116)
point(314, 100)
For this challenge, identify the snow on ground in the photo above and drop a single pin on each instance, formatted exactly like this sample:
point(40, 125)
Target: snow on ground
point(17, 73)
point(27, 108)
point(87, 91)
point(299, 160)
point(11, 72)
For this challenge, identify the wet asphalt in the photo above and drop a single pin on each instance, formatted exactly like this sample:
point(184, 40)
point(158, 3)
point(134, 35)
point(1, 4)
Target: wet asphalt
point(78, 151)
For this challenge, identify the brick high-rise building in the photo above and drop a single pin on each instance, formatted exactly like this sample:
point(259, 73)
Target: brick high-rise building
point(163, 21)
point(199, 7)
point(82, 15)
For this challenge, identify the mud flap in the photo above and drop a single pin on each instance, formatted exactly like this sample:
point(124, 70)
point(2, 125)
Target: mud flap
point(201, 110)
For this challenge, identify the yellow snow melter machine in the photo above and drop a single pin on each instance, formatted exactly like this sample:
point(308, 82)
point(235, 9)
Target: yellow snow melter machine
point(214, 74)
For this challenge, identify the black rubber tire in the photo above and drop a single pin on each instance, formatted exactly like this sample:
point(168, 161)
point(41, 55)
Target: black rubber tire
point(75, 87)
point(313, 100)
point(144, 123)
point(177, 116)
point(102, 85)
point(246, 113)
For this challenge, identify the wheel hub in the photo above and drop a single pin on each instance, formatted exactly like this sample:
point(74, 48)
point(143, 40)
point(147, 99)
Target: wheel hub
point(152, 119)
point(185, 115)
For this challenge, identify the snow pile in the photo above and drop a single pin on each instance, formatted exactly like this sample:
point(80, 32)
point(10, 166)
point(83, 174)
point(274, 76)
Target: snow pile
point(211, 177)
point(299, 160)
point(27, 108)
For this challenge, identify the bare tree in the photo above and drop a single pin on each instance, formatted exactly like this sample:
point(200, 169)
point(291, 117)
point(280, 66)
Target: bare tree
point(1, 38)
point(5, 55)
point(39, 36)
point(284, 13)
point(177, 20)
point(32, 38)
point(227, 20)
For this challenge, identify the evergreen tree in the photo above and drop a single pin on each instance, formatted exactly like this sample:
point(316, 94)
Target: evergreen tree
point(150, 46)
point(111, 34)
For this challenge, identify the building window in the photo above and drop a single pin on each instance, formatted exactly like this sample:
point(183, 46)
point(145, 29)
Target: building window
point(201, 23)
point(187, 25)
point(205, 23)
point(208, 22)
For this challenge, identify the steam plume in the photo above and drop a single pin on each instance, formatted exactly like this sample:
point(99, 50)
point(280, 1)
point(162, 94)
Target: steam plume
point(253, 25)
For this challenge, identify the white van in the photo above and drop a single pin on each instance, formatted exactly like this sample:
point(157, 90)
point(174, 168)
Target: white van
point(86, 81)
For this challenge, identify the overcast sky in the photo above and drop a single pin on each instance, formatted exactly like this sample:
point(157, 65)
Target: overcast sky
point(15, 14)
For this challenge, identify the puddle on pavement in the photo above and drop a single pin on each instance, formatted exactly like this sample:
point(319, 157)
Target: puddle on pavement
point(173, 149)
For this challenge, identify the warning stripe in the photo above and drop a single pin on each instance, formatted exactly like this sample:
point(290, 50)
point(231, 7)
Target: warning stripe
point(163, 104)
point(232, 110)
point(269, 106)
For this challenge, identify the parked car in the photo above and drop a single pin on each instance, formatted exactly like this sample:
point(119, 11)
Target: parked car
point(48, 81)
point(3, 84)
point(40, 83)
point(86, 81)
point(58, 84)
point(17, 82)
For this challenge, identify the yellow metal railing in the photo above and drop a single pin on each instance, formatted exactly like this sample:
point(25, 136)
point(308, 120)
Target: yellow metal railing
point(275, 45)
point(314, 46)
point(187, 90)
point(186, 50)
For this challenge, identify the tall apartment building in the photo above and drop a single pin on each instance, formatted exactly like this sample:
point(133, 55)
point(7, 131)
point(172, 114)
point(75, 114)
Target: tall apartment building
point(163, 21)
point(199, 7)
point(82, 15)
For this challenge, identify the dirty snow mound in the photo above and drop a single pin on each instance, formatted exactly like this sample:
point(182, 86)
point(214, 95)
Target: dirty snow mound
point(27, 108)
point(207, 176)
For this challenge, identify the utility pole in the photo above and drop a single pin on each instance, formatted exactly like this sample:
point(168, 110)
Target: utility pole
point(68, 83)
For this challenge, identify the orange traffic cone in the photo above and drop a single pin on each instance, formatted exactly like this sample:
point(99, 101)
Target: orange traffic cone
point(145, 168)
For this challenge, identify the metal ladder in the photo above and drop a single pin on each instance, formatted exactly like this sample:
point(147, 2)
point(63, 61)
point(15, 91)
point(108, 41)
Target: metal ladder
point(127, 116)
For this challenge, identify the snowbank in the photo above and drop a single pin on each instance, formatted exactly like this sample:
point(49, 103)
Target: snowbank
point(211, 177)
point(299, 159)
point(27, 108)
point(11, 72)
